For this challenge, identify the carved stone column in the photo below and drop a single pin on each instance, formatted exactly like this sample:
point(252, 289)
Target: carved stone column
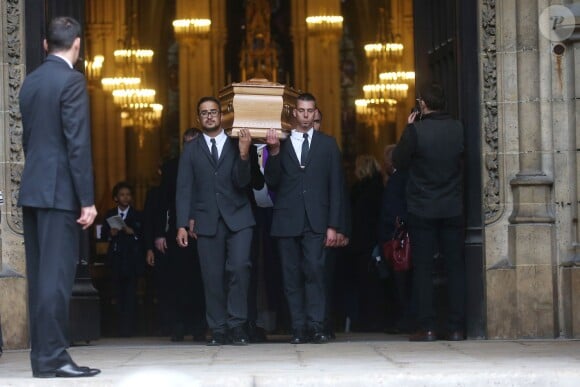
point(521, 249)
point(105, 28)
point(13, 302)
point(317, 61)
point(566, 101)
point(201, 58)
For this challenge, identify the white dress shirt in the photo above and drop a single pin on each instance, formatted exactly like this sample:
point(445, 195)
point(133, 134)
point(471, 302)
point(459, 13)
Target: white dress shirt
point(65, 59)
point(220, 140)
point(297, 139)
point(123, 213)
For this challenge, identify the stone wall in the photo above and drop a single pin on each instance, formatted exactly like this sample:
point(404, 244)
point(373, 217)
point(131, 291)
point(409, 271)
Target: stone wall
point(529, 116)
point(13, 311)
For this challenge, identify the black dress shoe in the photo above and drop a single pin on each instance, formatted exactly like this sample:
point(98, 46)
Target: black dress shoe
point(456, 336)
point(319, 338)
point(298, 337)
point(423, 335)
point(69, 370)
point(217, 339)
point(239, 336)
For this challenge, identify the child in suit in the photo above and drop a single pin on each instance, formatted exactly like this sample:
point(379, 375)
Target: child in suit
point(125, 254)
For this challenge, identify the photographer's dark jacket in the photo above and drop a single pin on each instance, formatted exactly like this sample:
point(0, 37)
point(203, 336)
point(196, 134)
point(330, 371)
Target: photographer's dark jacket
point(431, 150)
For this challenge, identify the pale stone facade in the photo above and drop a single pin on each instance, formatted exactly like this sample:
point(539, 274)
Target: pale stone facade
point(13, 310)
point(529, 127)
point(530, 93)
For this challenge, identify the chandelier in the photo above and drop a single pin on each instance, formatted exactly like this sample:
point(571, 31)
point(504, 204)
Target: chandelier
point(133, 55)
point(187, 28)
point(189, 31)
point(114, 83)
point(324, 24)
point(387, 84)
point(374, 112)
point(133, 99)
point(136, 102)
point(93, 67)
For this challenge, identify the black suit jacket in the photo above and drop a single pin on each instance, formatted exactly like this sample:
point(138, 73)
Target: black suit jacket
point(56, 138)
point(125, 251)
point(318, 188)
point(166, 217)
point(151, 215)
point(207, 191)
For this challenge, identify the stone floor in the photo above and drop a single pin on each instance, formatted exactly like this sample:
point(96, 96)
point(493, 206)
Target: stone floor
point(350, 360)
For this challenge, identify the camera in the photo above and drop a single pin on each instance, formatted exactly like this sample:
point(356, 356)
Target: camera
point(417, 110)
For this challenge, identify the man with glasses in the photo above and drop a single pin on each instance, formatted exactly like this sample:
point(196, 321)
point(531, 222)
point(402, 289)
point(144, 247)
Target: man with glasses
point(211, 199)
point(305, 173)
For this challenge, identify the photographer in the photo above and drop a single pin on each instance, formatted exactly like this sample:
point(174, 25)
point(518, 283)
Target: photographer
point(431, 150)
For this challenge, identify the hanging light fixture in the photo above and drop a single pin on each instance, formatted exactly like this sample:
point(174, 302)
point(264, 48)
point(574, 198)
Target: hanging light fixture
point(93, 67)
point(191, 28)
point(133, 99)
point(387, 84)
point(114, 83)
point(324, 23)
point(137, 103)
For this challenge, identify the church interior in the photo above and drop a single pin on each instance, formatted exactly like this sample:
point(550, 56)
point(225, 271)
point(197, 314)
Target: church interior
point(323, 47)
point(147, 63)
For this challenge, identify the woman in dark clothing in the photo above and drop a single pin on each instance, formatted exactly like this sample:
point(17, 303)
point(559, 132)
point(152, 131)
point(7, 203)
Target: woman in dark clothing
point(365, 208)
point(394, 204)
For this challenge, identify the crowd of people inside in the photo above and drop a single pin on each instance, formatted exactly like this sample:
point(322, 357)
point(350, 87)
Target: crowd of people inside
point(233, 226)
point(250, 238)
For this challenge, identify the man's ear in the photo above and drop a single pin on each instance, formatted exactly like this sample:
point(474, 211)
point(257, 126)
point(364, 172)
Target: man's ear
point(294, 112)
point(45, 45)
point(77, 44)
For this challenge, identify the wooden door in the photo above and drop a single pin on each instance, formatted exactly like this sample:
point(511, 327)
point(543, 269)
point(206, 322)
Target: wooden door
point(446, 51)
point(37, 15)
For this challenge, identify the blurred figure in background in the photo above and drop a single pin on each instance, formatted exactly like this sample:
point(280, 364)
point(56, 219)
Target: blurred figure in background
point(125, 254)
point(394, 205)
point(365, 199)
point(186, 306)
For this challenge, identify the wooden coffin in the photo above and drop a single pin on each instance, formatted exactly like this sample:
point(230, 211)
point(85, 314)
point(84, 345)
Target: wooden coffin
point(258, 105)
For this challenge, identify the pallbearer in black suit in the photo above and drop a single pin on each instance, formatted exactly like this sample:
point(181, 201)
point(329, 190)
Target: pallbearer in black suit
point(212, 200)
point(306, 174)
point(56, 186)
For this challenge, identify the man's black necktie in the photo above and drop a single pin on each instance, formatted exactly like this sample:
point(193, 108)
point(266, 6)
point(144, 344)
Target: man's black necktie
point(305, 149)
point(214, 152)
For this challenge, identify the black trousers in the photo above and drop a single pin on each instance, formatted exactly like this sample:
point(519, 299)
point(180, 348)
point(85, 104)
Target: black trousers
point(429, 236)
point(225, 268)
point(185, 303)
point(303, 272)
point(52, 242)
point(125, 286)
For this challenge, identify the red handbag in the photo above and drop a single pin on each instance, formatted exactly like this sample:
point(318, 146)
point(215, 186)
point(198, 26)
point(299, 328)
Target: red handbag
point(398, 250)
